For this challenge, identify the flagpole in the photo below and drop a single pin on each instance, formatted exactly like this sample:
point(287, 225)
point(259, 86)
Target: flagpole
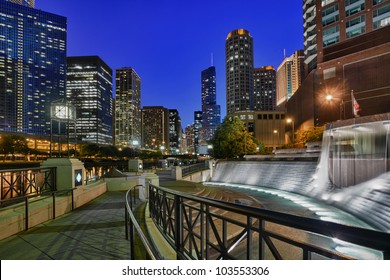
point(353, 104)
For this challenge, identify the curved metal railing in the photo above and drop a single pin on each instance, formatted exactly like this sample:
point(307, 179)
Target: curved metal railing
point(204, 228)
point(131, 224)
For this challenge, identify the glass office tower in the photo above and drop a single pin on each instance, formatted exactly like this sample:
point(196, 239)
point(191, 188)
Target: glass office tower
point(211, 112)
point(127, 108)
point(28, 3)
point(32, 67)
point(89, 88)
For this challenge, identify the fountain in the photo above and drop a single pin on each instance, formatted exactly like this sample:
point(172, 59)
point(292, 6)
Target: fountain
point(353, 172)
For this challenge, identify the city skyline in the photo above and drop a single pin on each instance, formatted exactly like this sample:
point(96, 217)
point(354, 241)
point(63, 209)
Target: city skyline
point(170, 44)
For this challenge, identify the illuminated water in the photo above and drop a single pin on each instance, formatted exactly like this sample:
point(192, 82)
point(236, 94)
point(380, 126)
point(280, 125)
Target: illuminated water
point(352, 175)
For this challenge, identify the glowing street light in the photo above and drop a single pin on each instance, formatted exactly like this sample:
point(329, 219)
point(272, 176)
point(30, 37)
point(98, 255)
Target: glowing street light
point(290, 120)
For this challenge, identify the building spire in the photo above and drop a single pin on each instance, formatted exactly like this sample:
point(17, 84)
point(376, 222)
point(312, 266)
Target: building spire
point(212, 59)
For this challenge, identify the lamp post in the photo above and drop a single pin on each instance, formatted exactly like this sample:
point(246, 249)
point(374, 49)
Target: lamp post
point(290, 120)
point(277, 138)
point(329, 98)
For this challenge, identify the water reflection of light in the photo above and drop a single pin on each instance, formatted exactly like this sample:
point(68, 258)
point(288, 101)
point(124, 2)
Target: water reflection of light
point(326, 214)
point(356, 251)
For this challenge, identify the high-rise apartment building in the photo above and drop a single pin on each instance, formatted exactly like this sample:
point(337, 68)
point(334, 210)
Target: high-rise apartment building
point(89, 89)
point(239, 71)
point(189, 139)
point(198, 130)
point(211, 112)
point(329, 22)
point(32, 67)
point(28, 3)
point(289, 76)
point(155, 127)
point(310, 34)
point(175, 131)
point(128, 108)
point(264, 88)
point(352, 54)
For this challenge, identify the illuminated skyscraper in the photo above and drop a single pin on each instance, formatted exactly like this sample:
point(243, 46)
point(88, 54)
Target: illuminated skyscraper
point(155, 127)
point(239, 71)
point(211, 112)
point(289, 76)
point(264, 88)
point(175, 131)
point(28, 3)
point(89, 88)
point(127, 108)
point(32, 67)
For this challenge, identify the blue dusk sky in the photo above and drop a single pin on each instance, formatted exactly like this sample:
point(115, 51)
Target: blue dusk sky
point(169, 42)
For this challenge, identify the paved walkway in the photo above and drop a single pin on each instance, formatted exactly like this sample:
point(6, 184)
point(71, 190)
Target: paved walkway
point(94, 231)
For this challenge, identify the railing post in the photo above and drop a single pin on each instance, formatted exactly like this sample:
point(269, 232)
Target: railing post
point(207, 213)
point(178, 227)
point(126, 223)
point(132, 253)
point(26, 214)
point(54, 205)
point(249, 238)
point(202, 233)
point(261, 239)
point(72, 199)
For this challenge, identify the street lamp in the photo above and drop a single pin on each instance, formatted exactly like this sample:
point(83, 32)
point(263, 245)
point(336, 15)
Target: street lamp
point(329, 98)
point(290, 120)
point(277, 138)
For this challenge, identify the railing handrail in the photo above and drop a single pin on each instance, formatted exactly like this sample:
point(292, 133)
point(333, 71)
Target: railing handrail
point(26, 169)
point(133, 222)
point(33, 195)
point(368, 238)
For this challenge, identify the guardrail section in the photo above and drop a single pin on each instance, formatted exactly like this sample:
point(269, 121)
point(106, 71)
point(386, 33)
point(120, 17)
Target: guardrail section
point(203, 228)
point(29, 181)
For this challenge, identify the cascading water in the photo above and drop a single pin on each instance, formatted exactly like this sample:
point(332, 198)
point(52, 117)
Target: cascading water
point(352, 173)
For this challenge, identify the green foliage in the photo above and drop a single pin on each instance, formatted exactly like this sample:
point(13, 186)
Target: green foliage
point(13, 144)
point(232, 139)
point(87, 150)
point(147, 154)
point(314, 134)
point(129, 153)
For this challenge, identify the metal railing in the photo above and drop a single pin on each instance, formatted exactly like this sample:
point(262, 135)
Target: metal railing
point(132, 227)
point(190, 169)
point(18, 183)
point(203, 228)
point(25, 202)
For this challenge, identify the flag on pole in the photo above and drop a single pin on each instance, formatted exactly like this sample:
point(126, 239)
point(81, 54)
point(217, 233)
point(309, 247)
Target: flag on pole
point(355, 105)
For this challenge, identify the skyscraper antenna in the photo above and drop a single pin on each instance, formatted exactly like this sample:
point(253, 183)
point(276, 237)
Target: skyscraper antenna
point(212, 59)
point(284, 53)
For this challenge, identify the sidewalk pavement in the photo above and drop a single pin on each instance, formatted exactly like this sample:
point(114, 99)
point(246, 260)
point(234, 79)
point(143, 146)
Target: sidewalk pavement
point(95, 231)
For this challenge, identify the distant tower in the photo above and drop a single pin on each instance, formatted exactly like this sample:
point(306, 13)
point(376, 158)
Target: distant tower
point(239, 71)
point(211, 112)
point(155, 127)
point(175, 131)
point(289, 76)
point(198, 135)
point(89, 88)
point(127, 108)
point(264, 88)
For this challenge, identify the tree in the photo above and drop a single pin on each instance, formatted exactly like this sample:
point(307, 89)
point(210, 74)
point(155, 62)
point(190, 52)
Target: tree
point(313, 134)
point(11, 144)
point(231, 139)
point(89, 149)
